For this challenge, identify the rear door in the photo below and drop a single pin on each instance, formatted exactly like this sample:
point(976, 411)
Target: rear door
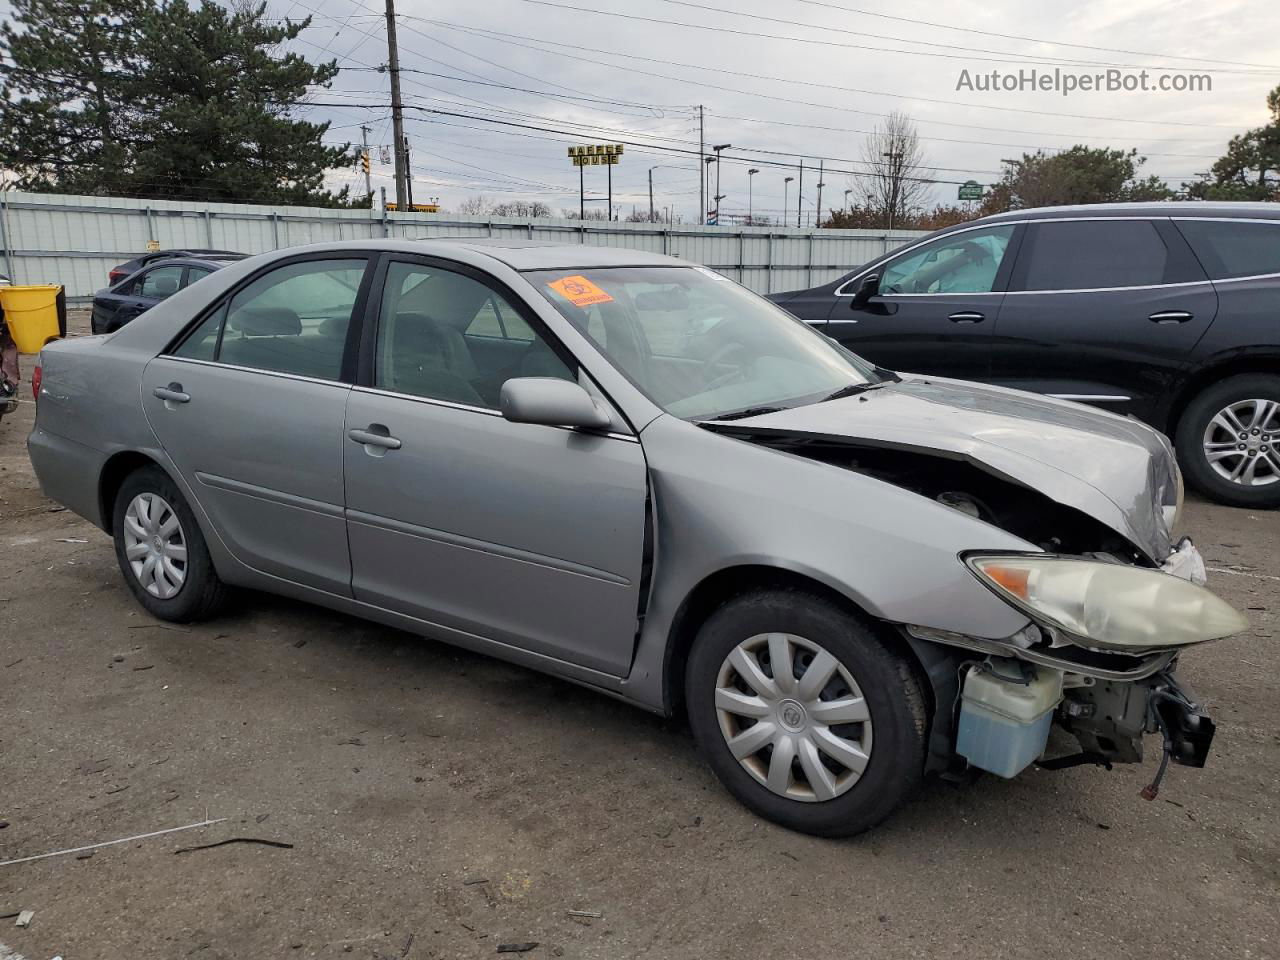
point(1104, 311)
point(528, 535)
point(250, 407)
point(936, 306)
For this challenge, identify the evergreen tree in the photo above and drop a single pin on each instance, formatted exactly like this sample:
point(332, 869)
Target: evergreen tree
point(1250, 170)
point(1080, 175)
point(63, 65)
point(168, 100)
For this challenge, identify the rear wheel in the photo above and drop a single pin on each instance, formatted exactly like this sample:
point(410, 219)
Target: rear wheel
point(1227, 441)
point(161, 551)
point(806, 715)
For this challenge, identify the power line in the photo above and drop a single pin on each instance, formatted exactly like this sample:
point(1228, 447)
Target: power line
point(1026, 39)
point(512, 38)
point(838, 44)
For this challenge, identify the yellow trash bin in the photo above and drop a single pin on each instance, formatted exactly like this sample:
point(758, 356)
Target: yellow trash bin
point(34, 314)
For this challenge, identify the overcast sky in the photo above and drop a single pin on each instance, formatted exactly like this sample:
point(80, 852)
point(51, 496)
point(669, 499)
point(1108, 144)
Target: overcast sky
point(602, 78)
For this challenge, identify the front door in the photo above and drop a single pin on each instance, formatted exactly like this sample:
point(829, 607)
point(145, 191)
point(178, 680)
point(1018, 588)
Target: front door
point(250, 408)
point(529, 535)
point(1104, 311)
point(935, 307)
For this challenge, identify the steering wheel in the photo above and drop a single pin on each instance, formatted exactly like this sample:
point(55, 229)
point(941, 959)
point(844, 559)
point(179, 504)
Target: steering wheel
point(709, 365)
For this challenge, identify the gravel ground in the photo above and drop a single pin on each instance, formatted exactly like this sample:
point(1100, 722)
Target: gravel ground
point(440, 804)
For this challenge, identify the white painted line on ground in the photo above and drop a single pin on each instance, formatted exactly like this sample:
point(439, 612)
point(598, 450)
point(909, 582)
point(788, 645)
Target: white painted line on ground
point(107, 843)
point(1242, 573)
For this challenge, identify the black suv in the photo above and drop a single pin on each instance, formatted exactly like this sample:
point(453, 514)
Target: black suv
point(1166, 311)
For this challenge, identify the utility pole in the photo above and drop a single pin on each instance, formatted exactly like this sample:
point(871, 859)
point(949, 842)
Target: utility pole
point(364, 160)
point(610, 216)
point(408, 179)
point(397, 109)
point(786, 185)
point(719, 196)
point(651, 195)
point(800, 194)
point(702, 170)
point(582, 193)
point(895, 174)
point(818, 209)
point(750, 204)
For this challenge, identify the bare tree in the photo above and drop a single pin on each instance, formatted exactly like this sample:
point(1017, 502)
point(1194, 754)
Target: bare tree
point(897, 184)
point(474, 206)
point(521, 208)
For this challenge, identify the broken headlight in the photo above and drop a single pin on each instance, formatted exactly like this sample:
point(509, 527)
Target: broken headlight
point(1108, 605)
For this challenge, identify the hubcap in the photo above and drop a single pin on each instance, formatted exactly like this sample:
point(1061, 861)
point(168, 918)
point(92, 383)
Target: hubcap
point(1239, 442)
point(793, 716)
point(155, 546)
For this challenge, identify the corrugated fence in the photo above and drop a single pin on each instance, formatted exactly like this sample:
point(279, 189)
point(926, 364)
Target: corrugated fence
point(75, 241)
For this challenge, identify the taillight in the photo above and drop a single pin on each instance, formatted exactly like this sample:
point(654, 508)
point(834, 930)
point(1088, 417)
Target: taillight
point(114, 277)
point(35, 382)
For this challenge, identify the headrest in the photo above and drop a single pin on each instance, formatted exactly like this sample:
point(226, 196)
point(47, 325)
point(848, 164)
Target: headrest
point(266, 322)
point(166, 285)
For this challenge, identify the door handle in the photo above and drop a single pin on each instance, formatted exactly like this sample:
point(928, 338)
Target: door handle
point(172, 394)
point(1170, 316)
point(966, 316)
point(375, 435)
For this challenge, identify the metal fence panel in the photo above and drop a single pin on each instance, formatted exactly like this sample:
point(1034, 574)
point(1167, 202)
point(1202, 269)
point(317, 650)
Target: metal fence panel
point(75, 241)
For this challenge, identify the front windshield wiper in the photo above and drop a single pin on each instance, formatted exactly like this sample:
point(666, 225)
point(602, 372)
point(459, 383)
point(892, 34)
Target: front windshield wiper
point(749, 412)
point(853, 389)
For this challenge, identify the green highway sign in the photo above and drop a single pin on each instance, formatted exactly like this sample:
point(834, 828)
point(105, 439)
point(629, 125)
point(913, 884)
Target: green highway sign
point(970, 190)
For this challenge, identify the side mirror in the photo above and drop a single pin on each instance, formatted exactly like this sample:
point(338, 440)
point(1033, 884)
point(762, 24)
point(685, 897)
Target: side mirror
point(551, 402)
point(869, 287)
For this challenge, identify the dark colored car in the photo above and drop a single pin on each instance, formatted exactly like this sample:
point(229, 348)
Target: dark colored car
point(115, 306)
point(1169, 312)
point(130, 267)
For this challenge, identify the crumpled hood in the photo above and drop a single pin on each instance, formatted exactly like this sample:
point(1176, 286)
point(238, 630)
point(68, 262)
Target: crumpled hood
point(1117, 470)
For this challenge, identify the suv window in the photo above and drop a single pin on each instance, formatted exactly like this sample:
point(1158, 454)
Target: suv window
point(965, 263)
point(445, 336)
point(1093, 254)
point(159, 283)
point(1234, 248)
point(291, 320)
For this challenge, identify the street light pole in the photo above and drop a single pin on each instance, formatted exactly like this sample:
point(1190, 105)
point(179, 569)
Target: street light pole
point(651, 169)
point(719, 196)
point(786, 186)
point(750, 204)
point(800, 194)
point(706, 175)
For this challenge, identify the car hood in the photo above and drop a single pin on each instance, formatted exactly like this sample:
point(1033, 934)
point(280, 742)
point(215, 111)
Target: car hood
point(1115, 469)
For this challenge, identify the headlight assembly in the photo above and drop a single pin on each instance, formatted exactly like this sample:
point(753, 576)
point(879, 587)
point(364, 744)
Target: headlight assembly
point(1109, 605)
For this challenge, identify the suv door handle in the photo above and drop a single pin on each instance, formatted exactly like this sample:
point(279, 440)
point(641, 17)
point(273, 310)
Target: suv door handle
point(172, 394)
point(375, 435)
point(966, 316)
point(1170, 316)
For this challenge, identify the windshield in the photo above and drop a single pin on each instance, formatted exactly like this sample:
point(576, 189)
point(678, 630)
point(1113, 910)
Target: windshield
point(701, 346)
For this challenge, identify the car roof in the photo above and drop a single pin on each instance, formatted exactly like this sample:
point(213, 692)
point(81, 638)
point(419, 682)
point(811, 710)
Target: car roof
point(1168, 208)
point(541, 255)
point(211, 263)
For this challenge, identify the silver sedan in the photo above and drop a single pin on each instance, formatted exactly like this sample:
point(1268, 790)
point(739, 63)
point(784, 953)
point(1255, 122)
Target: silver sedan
point(630, 472)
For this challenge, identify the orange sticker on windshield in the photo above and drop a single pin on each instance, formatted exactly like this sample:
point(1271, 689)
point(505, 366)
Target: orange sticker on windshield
point(580, 291)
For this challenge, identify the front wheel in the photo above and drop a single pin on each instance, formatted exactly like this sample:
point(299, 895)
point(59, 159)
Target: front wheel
point(161, 550)
point(1227, 441)
point(805, 714)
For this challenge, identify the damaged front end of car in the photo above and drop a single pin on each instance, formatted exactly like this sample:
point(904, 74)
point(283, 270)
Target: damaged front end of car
point(1110, 599)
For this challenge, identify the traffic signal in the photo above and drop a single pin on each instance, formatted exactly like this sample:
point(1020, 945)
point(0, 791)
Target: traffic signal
point(364, 160)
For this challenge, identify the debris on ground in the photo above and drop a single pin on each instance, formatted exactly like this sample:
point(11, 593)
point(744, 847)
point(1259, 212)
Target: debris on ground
point(24, 918)
point(517, 947)
point(474, 880)
point(588, 914)
point(280, 844)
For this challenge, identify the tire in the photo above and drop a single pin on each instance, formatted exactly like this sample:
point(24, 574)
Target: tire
point(188, 587)
point(1203, 430)
point(822, 801)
